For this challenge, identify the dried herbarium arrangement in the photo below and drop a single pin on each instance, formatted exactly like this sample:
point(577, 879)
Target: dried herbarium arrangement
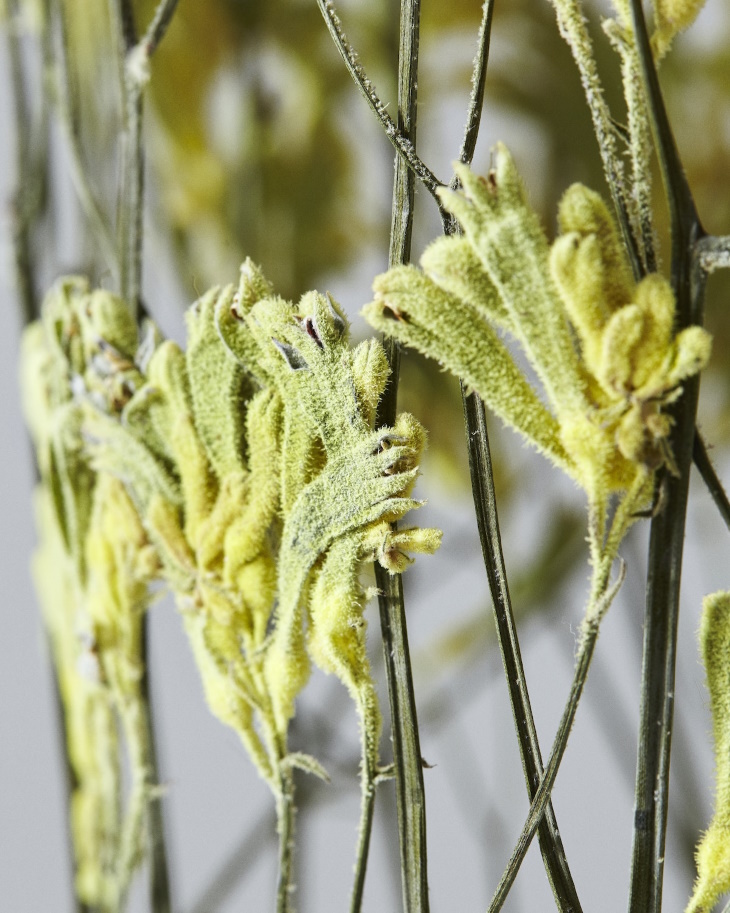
point(257, 470)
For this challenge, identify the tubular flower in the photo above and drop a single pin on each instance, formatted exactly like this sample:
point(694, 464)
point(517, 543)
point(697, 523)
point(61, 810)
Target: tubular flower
point(601, 345)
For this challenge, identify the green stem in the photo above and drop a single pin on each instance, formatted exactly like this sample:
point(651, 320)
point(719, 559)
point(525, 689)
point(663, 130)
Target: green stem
point(132, 194)
point(657, 694)
point(133, 65)
point(285, 810)
point(143, 831)
point(640, 149)
point(667, 529)
point(132, 246)
point(159, 880)
point(573, 29)
point(117, 16)
point(480, 464)
point(158, 26)
point(370, 775)
point(404, 187)
point(685, 224)
point(541, 798)
point(400, 141)
point(602, 595)
point(136, 75)
point(476, 106)
point(658, 670)
point(68, 111)
point(478, 85)
point(21, 214)
point(363, 843)
point(712, 482)
point(129, 216)
point(127, 23)
point(410, 796)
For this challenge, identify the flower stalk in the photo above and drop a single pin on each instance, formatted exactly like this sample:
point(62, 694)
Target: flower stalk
point(409, 786)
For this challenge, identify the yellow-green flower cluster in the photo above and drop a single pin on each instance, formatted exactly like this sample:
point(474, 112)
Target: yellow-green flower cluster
point(258, 487)
point(602, 346)
point(92, 570)
point(634, 361)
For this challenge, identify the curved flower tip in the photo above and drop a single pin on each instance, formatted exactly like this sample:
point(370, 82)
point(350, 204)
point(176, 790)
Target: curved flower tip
point(392, 552)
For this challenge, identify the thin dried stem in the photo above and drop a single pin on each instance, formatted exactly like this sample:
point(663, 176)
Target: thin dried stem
point(22, 196)
point(68, 111)
point(573, 29)
point(400, 141)
point(478, 84)
point(542, 794)
point(363, 844)
point(667, 529)
point(406, 746)
point(485, 504)
point(159, 25)
point(602, 595)
point(133, 65)
point(712, 482)
point(159, 879)
point(410, 795)
point(285, 811)
point(480, 464)
point(136, 75)
point(639, 136)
